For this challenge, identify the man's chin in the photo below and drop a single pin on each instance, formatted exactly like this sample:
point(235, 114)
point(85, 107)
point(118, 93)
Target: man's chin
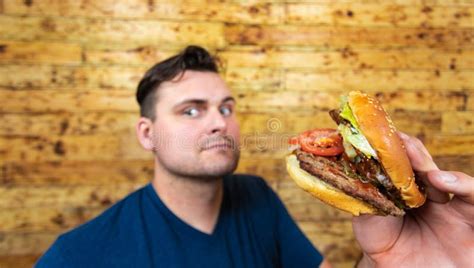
point(208, 168)
point(217, 169)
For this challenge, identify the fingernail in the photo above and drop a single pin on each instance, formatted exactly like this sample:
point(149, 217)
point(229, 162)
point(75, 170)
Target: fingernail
point(447, 177)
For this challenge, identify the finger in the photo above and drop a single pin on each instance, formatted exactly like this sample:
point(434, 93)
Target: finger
point(420, 158)
point(422, 163)
point(458, 183)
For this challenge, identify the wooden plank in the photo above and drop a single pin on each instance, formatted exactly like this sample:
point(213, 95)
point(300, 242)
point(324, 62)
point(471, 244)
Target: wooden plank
point(50, 101)
point(283, 122)
point(51, 148)
point(141, 55)
point(426, 122)
point(50, 219)
point(44, 76)
point(424, 101)
point(334, 239)
point(103, 30)
point(446, 3)
point(76, 173)
point(340, 37)
point(39, 52)
point(191, 11)
point(254, 78)
point(458, 122)
point(18, 261)
point(65, 196)
point(379, 15)
point(413, 59)
point(17, 76)
point(271, 169)
point(58, 124)
point(327, 100)
point(374, 80)
point(450, 145)
point(256, 101)
point(470, 103)
point(25, 243)
point(462, 163)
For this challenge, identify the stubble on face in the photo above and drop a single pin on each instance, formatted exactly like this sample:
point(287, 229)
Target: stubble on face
point(209, 159)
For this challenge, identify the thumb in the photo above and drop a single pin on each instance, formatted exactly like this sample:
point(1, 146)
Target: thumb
point(457, 183)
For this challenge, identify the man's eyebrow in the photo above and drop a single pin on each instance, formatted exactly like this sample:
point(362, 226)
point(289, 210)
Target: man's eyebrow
point(191, 101)
point(202, 101)
point(230, 98)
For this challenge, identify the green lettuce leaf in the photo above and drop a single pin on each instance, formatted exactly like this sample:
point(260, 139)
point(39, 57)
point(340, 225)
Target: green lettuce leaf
point(346, 113)
point(354, 137)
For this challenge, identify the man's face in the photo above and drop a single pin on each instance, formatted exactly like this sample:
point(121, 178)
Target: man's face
point(195, 133)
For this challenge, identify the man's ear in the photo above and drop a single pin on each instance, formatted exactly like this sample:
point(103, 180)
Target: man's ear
point(145, 135)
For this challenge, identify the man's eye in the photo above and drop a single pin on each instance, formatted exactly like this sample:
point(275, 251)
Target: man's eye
point(226, 111)
point(192, 112)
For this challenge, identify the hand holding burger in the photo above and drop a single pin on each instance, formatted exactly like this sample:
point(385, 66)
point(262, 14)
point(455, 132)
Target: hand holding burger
point(438, 234)
point(352, 173)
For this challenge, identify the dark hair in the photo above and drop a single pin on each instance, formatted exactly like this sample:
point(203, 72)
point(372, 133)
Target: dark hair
point(191, 58)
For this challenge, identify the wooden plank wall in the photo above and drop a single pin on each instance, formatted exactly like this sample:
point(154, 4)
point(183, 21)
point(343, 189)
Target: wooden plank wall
point(68, 72)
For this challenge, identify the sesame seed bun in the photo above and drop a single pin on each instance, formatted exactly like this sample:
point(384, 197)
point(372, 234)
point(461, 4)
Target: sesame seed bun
point(378, 128)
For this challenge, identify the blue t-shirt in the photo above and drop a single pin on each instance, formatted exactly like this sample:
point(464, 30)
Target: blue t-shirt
point(253, 230)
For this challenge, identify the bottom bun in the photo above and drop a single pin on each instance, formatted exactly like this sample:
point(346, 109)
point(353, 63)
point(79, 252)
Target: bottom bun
point(325, 192)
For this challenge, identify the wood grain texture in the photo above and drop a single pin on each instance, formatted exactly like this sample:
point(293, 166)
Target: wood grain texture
point(232, 11)
point(102, 30)
point(76, 77)
point(383, 14)
point(63, 196)
point(40, 52)
point(19, 261)
point(52, 100)
point(339, 37)
point(349, 58)
point(76, 172)
point(69, 71)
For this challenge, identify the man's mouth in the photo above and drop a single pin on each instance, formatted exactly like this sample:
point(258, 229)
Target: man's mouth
point(218, 145)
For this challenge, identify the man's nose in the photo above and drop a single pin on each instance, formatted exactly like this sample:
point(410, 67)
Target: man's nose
point(218, 122)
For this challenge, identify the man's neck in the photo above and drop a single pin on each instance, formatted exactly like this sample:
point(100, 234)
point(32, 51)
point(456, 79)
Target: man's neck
point(196, 202)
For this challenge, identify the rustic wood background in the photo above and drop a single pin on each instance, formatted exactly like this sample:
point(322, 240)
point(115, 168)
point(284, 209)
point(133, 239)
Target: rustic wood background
point(69, 69)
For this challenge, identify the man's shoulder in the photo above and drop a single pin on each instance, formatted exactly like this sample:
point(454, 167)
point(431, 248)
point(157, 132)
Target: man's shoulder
point(97, 234)
point(109, 220)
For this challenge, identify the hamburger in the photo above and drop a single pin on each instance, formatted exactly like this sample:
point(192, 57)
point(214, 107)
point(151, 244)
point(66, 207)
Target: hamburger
point(361, 167)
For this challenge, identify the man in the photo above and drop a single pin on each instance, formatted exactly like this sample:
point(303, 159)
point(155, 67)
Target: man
point(196, 212)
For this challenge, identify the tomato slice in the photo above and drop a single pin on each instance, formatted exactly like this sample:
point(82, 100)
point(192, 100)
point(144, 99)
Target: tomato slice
point(323, 142)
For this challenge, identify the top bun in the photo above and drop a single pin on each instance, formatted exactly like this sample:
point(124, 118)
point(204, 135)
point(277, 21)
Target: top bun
point(379, 130)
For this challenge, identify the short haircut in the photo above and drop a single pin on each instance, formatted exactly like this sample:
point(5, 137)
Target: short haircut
point(191, 58)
